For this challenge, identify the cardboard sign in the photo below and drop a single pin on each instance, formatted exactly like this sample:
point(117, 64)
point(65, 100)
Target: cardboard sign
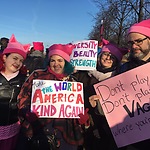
point(84, 55)
point(125, 100)
point(57, 99)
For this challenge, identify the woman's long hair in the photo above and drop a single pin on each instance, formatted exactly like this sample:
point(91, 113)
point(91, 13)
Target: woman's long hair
point(68, 69)
point(103, 69)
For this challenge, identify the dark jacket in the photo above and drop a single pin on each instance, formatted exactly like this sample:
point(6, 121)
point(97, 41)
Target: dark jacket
point(9, 91)
point(98, 121)
point(133, 63)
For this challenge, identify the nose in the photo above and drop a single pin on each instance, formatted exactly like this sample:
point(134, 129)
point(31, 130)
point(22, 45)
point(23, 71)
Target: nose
point(56, 63)
point(108, 56)
point(18, 62)
point(134, 46)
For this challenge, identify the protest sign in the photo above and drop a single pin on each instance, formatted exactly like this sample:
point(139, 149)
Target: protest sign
point(84, 55)
point(57, 99)
point(125, 100)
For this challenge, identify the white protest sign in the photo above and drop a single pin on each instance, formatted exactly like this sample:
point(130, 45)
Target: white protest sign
point(57, 99)
point(84, 55)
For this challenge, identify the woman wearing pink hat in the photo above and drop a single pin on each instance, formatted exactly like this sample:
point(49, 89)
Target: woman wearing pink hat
point(99, 136)
point(68, 131)
point(12, 76)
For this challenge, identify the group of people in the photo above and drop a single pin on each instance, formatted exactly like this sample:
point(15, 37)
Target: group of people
point(21, 129)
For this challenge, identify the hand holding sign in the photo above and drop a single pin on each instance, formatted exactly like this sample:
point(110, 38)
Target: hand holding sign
point(31, 116)
point(93, 100)
point(84, 119)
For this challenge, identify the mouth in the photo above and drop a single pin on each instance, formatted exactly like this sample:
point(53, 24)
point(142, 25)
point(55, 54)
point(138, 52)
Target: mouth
point(16, 67)
point(137, 53)
point(136, 50)
point(107, 61)
point(57, 68)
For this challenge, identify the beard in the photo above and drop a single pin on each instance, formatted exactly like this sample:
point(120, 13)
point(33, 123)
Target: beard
point(140, 55)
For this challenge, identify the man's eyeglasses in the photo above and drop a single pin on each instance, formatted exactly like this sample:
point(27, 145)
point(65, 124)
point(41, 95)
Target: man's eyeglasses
point(136, 42)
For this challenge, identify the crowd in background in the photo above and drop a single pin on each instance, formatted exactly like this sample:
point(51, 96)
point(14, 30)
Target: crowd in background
point(21, 129)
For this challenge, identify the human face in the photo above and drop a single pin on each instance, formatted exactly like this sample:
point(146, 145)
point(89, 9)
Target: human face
point(139, 45)
point(57, 64)
point(107, 59)
point(13, 62)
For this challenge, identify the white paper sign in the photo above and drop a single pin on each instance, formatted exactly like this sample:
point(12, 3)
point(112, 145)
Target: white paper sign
point(57, 99)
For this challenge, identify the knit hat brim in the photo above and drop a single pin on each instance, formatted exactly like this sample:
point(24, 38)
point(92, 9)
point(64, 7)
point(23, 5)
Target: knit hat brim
point(60, 53)
point(18, 51)
point(142, 27)
point(139, 29)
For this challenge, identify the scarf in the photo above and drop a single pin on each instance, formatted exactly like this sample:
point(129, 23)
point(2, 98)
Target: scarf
point(100, 76)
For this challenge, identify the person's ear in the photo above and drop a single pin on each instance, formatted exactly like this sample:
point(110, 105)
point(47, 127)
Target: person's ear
point(4, 58)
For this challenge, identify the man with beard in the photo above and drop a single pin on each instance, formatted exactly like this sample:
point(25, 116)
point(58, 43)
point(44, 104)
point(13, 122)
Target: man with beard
point(139, 44)
point(138, 39)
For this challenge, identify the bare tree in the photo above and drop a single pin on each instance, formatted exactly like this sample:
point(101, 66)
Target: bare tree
point(140, 9)
point(118, 15)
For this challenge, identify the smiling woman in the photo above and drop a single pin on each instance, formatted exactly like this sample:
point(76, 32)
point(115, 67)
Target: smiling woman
point(10, 66)
point(11, 80)
point(99, 135)
point(69, 130)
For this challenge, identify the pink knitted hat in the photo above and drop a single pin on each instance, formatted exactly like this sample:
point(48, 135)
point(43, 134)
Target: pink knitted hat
point(142, 27)
point(15, 47)
point(38, 46)
point(113, 49)
point(61, 50)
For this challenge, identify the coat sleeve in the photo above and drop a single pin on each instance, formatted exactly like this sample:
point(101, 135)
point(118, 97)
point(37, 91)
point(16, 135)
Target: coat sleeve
point(24, 97)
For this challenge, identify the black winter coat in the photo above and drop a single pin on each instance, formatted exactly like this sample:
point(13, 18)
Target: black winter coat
point(9, 91)
point(106, 140)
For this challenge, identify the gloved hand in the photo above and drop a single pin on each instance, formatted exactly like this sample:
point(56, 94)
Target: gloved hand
point(84, 119)
point(31, 116)
point(33, 119)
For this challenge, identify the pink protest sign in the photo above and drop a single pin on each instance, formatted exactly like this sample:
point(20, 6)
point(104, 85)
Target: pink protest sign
point(125, 100)
point(57, 99)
